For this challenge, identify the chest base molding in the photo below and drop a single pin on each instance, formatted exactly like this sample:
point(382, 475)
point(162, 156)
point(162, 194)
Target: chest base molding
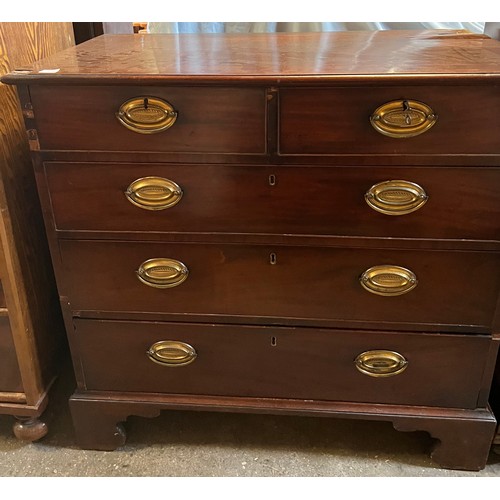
point(462, 436)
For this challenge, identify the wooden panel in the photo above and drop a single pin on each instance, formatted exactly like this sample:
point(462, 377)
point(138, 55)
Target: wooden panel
point(227, 120)
point(10, 377)
point(275, 200)
point(291, 363)
point(28, 281)
point(323, 283)
point(337, 121)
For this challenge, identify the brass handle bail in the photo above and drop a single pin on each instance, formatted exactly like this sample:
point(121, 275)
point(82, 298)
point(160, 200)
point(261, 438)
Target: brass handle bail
point(396, 197)
point(388, 281)
point(403, 118)
point(381, 363)
point(153, 193)
point(162, 273)
point(172, 353)
point(147, 115)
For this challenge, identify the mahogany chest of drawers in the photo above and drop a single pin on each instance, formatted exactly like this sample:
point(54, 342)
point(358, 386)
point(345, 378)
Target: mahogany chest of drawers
point(284, 223)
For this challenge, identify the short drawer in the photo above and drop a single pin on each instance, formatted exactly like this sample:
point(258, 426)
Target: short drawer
point(10, 377)
point(362, 201)
point(209, 120)
point(463, 120)
point(452, 288)
point(334, 365)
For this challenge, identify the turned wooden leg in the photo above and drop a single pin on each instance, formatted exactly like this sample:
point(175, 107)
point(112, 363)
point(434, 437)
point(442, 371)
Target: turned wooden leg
point(29, 429)
point(463, 444)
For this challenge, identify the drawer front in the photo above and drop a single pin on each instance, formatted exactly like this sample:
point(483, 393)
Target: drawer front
point(279, 200)
point(455, 288)
point(212, 120)
point(10, 377)
point(281, 363)
point(337, 121)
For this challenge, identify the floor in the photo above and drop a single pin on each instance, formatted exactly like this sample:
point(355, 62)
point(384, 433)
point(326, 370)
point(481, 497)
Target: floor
point(185, 444)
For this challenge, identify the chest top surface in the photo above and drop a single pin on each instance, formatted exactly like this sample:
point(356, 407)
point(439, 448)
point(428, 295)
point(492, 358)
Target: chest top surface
point(270, 58)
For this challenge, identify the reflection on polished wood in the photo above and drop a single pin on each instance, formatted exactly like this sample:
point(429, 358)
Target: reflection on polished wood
point(275, 153)
point(287, 56)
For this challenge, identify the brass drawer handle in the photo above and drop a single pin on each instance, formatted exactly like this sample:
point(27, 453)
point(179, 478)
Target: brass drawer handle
point(396, 197)
point(146, 115)
point(171, 353)
point(380, 363)
point(388, 281)
point(162, 273)
point(154, 193)
point(403, 118)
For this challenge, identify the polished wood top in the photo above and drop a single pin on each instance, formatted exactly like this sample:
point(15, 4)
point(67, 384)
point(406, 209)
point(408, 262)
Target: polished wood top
point(270, 57)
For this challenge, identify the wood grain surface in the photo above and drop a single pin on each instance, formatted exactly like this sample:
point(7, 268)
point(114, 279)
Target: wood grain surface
point(307, 315)
point(223, 120)
point(10, 378)
point(271, 199)
point(287, 57)
point(21, 44)
point(287, 363)
point(305, 282)
point(337, 120)
point(27, 281)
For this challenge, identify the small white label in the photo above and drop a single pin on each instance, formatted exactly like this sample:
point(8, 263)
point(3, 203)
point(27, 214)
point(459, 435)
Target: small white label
point(49, 70)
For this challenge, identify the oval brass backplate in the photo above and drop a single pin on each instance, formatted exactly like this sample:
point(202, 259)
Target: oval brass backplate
point(171, 353)
point(162, 273)
point(403, 118)
point(146, 115)
point(380, 363)
point(154, 193)
point(388, 280)
point(396, 197)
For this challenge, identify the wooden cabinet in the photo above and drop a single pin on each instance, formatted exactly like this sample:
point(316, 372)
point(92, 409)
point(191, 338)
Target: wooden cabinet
point(283, 223)
point(31, 330)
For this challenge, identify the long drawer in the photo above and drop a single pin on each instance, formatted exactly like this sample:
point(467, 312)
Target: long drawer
point(395, 286)
point(361, 201)
point(212, 120)
point(457, 120)
point(377, 367)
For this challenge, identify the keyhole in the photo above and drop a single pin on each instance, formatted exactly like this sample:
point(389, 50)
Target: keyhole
point(272, 259)
point(272, 180)
point(273, 341)
point(146, 103)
